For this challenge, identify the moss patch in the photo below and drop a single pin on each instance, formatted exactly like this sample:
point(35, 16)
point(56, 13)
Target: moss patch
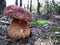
point(55, 29)
point(41, 22)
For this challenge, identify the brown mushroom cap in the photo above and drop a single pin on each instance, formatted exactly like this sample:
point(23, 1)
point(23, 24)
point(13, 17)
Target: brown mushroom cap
point(18, 13)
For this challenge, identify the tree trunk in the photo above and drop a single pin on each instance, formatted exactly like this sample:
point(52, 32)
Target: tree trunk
point(2, 6)
point(38, 7)
point(47, 6)
point(30, 5)
point(24, 6)
point(16, 2)
point(21, 3)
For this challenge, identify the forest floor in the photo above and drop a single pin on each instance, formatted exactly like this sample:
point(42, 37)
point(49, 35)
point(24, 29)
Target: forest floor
point(40, 35)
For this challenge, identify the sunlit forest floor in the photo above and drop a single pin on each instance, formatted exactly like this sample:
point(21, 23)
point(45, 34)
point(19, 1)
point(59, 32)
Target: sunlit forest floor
point(48, 34)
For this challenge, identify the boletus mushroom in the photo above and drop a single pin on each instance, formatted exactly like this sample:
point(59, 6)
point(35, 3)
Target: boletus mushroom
point(18, 28)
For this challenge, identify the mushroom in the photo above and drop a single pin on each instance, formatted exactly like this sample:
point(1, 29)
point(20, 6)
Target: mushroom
point(18, 28)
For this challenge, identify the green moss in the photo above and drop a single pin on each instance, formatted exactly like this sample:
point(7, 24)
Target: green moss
point(41, 22)
point(55, 29)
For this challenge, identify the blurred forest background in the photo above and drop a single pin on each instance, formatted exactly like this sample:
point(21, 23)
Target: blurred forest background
point(44, 7)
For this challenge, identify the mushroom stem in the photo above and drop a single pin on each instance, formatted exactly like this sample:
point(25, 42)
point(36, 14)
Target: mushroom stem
point(18, 29)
